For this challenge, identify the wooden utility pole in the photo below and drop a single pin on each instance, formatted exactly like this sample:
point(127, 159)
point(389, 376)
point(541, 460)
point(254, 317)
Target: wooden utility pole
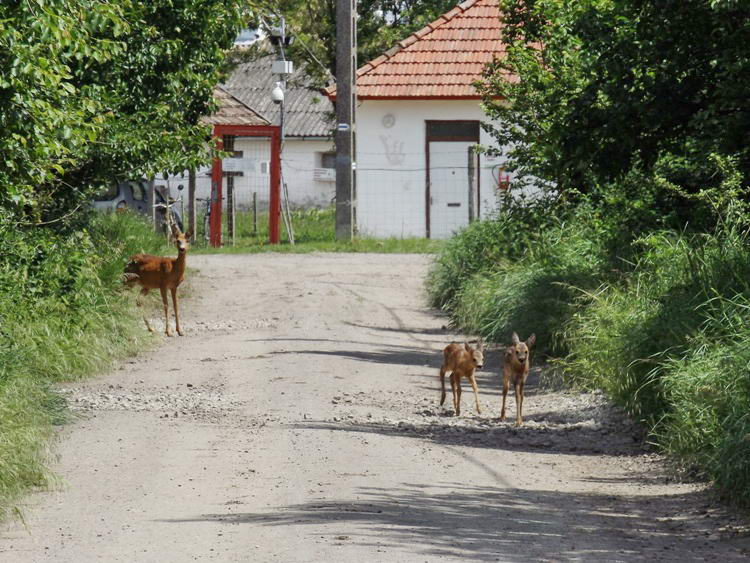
point(346, 95)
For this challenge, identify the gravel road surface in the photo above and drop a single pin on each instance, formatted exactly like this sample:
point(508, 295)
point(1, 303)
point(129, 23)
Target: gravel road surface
point(298, 420)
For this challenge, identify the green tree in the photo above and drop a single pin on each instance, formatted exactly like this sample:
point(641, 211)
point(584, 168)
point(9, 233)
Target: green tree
point(606, 87)
point(380, 24)
point(95, 90)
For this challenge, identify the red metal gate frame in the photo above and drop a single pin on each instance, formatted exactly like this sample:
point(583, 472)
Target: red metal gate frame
point(274, 203)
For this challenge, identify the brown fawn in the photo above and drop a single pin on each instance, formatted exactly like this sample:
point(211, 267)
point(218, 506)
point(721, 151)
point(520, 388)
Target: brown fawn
point(162, 273)
point(516, 364)
point(461, 361)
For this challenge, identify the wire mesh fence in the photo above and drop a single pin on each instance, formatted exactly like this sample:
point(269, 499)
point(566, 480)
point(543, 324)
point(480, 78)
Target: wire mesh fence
point(419, 196)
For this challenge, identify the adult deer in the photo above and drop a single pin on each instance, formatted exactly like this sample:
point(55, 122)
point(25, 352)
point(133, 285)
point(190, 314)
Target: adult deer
point(162, 273)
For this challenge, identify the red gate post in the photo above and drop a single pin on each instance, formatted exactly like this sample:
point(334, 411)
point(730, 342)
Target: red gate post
point(274, 211)
point(216, 195)
point(274, 201)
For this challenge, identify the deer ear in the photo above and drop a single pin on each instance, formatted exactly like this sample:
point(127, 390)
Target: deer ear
point(189, 234)
point(480, 345)
point(531, 340)
point(467, 346)
point(515, 338)
point(176, 230)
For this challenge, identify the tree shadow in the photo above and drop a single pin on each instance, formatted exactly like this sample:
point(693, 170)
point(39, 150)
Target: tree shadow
point(401, 356)
point(392, 354)
point(491, 523)
point(439, 331)
point(486, 433)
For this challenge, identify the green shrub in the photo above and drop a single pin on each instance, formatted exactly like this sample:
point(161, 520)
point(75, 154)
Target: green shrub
point(660, 323)
point(484, 246)
point(63, 315)
point(505, 275)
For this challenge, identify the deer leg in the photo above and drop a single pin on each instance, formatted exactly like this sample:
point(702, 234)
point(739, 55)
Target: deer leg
point(442, 385)
point(139, 303)
point(166, 309)
point(455, 393)
point(506, 385)
point(518, 387)
point(473, 382)
point(176, 311)
point(458, 394)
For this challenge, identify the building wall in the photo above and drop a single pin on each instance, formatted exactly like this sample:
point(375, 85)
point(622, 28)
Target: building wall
point(300, 159)
point(391, 163)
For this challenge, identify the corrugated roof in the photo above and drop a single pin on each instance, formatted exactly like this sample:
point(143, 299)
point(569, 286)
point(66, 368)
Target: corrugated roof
point(307, 112)
point(441, 60)
point(232, 112)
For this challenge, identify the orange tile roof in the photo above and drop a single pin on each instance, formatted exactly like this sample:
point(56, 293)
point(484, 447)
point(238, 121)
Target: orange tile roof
point(441, 60)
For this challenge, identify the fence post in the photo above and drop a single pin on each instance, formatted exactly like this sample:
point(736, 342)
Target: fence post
point(191, 203)
point(151, 202)
point(472, 180)
point(255, 214)
point(229, 146)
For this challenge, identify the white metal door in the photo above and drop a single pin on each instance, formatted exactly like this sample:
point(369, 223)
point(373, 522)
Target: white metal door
point(449, 187)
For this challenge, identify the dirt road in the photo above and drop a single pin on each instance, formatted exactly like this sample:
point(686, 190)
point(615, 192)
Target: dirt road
point(298, 421)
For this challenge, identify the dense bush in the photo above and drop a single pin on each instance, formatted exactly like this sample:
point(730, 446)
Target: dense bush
point(536, 293)
point(63, 314)
point(671, 344)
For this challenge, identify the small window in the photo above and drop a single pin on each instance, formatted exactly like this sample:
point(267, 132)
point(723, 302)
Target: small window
point(328, 160)
point(453, 131)
point(264, 167)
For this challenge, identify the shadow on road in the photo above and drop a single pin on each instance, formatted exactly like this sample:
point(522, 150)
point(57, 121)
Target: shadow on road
point(393, 355)
point(490, 523)
point(497, 435)
point(442, 331)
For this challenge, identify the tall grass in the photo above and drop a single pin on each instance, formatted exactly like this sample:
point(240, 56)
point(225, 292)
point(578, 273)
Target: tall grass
point(666, 335)
point(486, 247)
point(672, 345)
point(63, 315)
point(630, 333)
point(496, 277)
point(707, 428)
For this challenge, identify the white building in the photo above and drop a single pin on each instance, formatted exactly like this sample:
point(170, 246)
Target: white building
point(308, 154)
point(308, 158)
point(418, 121)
